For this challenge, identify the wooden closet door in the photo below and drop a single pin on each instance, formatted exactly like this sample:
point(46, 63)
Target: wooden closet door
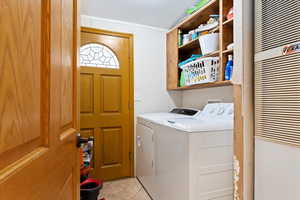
point(38, 100)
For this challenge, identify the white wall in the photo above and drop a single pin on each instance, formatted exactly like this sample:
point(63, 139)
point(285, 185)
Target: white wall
point(198, 98)
point(149, 64)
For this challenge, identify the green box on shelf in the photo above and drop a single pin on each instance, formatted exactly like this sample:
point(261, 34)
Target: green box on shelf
point(199, 5)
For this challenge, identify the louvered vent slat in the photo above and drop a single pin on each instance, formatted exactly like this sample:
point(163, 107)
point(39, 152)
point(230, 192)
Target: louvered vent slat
point(282, 136)
point(277, 99)
point(276, 23)
point(282, 121)
point(273, 90)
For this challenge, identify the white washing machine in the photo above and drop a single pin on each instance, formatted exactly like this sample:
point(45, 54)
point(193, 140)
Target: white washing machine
point(191, 157)
point(147, 125)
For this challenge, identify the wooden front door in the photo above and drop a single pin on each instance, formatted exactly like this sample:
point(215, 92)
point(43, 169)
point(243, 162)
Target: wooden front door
point(106, 100)
point(38, 112)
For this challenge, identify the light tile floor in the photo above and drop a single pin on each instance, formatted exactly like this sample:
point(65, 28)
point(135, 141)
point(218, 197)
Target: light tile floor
point(125, 189)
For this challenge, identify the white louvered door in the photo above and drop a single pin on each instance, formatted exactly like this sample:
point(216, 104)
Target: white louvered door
point(277, 99)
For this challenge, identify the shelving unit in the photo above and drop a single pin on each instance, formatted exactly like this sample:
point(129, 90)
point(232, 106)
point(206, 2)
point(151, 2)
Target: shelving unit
point(176, 54)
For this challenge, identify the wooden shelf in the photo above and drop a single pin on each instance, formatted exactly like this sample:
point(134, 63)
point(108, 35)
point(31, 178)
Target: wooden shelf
point(212, 54)
point(228, 51)
point(228, 22)
point(206, 85)
point(190, 45)
point(215, 29)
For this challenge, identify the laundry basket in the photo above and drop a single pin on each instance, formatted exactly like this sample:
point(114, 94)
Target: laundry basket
point(203, 70)
point(209, 43)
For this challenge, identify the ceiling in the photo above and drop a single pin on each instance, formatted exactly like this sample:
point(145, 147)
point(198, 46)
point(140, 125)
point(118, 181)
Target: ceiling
point(157, 13)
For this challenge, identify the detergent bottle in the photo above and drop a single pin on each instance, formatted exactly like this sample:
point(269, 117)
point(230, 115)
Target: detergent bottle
point(228, 69)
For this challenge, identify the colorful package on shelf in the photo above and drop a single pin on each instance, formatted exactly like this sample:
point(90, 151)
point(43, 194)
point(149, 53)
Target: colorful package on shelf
point(182, 80)
point(203, 70)
point(211, 24)
point(193, 35)
point(179, 37)
point(191, 59)
point(198, 5)
point(185, 39)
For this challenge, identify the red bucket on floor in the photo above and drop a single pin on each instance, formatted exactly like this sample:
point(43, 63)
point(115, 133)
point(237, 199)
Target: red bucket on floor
point(90, 189)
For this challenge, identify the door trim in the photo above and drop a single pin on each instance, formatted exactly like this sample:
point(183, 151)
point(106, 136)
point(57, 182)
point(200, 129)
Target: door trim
point(129, 36)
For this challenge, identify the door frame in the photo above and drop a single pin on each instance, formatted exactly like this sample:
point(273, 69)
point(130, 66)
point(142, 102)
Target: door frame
point(129, 36)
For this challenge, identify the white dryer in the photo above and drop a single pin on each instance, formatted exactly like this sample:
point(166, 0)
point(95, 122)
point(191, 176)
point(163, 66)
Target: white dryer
point(191, 157)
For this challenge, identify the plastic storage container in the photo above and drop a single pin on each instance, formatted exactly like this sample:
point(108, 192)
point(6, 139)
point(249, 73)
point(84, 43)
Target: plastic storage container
point(209, 43)
point(203, 70)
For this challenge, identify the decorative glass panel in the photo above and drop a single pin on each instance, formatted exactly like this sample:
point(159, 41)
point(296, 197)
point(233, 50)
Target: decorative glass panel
point(97, 55)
